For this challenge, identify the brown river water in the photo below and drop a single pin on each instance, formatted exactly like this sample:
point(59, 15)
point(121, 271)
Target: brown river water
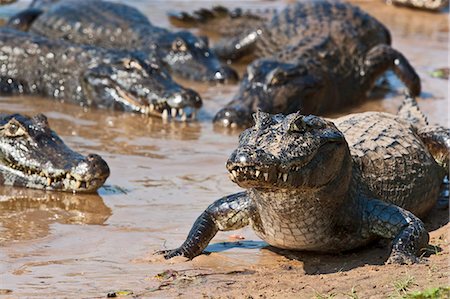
point(163, 175)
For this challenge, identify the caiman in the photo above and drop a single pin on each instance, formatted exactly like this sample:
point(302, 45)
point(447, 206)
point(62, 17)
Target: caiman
point(330, 186)
point(313, 56)
point(115, 25)
point(32, 155)
point(90, 76)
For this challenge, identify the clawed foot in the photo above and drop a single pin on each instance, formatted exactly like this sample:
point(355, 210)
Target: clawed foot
point(169, 253)
point(402, 258)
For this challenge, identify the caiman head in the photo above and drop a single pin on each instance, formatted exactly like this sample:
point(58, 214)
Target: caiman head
point(130, 82)
point(289, 152)
point(273, 87)
point(32, 155)
point(190, 57)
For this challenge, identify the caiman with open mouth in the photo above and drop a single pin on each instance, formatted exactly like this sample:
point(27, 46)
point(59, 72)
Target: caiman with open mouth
point(32, 155)
point(329, 186)
point(90, 76)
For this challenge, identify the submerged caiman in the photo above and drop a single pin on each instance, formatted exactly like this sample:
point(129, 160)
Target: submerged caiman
point(313, 56)
point(330, 186)
point(32, 155)
point(90, 76)
point(115, 25)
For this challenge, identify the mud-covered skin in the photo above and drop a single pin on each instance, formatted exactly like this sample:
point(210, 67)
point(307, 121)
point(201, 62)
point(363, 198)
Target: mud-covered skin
point(90, 76)
point(33, 156)
point(313, 56)
point(119, 26)
point(421, 4)
point(312, 184)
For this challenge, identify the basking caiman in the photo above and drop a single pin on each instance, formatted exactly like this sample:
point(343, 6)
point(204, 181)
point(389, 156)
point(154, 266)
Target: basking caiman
point(421, 4)
point(313, 56)
point(90, 76)
point(115, 25)
point(330, 186)
point(32, 155)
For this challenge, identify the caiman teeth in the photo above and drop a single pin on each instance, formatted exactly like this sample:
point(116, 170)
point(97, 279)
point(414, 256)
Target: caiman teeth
point(249, 172)
point(49, 179)
point(165, 114)
point(174, 112)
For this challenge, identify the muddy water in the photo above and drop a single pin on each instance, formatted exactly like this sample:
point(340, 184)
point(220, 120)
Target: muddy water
point(163, 176)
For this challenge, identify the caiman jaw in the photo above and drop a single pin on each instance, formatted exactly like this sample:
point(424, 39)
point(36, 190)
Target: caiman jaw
point(63, 180)
point(158, 108)
point(260, 175)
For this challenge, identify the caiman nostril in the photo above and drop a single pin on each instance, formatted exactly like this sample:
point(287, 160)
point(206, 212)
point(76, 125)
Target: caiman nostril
point(98, 165)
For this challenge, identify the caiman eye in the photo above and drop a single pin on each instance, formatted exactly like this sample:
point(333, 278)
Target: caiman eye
point(298, 126)
point(13, 129)
point(179, 45)
point(278, 78)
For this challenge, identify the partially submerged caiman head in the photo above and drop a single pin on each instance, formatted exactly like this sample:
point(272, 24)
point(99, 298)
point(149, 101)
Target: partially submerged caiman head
point(132, 83)
point(274, 87)
point(32, 155)
point(190, 57)
point(289, 152)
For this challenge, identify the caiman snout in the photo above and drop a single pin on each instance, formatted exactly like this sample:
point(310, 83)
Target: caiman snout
point(225, 74)
point(185, 98)
point(233, 118)
point(97, 166)
point(90, 173)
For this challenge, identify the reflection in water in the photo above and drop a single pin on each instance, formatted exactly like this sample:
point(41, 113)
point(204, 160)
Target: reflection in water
point(27, 214)
point(113, 132)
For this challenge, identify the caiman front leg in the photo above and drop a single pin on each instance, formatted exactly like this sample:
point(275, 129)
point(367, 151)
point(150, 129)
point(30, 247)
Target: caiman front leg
point(228, 213)
point(382, 58)
point(392, 222)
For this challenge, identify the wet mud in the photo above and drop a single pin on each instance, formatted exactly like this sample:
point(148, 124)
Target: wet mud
point(164, 174)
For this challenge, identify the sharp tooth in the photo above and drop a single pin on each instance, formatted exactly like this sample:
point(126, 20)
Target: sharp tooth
point(180, 111)
point(152, 107)
point(42, 174)
point(285, 177)
point(184, 117)
point(68, 176)
point(234, 173)
point(87, 184)
point(266, 176)
point(194, 114)
point(297, 169)
point(279, 175)
point(29, 171)
point(49, 181)
point(257, 173)
point(77, 184)
point(165, 114)
point(174, 112)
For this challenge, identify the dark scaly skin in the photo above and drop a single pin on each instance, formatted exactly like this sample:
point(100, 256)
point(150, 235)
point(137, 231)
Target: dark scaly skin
point(312, 184)
point(119, 26)
point(421, 4)
point(90, 76)
point(313, 56)
point(33, 156)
